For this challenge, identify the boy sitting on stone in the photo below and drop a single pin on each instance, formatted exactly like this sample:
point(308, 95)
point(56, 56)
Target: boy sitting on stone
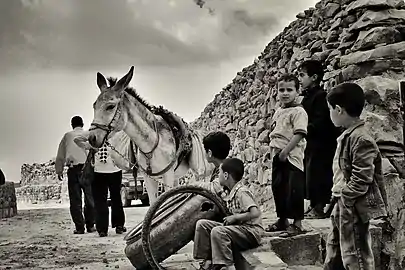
point(214, 241)
point(357, 183)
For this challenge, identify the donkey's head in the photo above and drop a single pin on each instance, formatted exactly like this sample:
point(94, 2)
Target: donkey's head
point(109, 113)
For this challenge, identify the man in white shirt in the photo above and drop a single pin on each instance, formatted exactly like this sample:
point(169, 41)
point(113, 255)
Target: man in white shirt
point(71, 155)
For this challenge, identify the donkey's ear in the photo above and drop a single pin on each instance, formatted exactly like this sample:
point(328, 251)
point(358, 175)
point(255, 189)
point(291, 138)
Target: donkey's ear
point(101, 81)
point(124, 81)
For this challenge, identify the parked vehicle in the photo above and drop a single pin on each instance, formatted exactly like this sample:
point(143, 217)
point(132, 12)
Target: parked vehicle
point(133, 189)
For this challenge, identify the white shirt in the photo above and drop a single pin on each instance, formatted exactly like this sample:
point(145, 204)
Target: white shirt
point(103, 162)
point(69, 153)
point(338, 176)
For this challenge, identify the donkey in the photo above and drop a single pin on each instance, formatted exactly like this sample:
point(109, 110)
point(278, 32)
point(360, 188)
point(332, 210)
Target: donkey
point(166, 147)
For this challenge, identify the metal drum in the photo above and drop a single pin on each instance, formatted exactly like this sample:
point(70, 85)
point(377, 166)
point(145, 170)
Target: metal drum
point(170, 225)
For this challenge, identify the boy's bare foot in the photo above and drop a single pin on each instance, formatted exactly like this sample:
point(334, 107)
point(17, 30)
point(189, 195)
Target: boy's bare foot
point(298, 224)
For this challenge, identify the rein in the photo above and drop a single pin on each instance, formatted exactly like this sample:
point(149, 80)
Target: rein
point(148, 155)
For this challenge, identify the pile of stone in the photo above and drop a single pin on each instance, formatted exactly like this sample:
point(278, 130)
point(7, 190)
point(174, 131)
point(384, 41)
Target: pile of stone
point(38, 173)
point(39, 184)
point(360, 41)
point(39, 193)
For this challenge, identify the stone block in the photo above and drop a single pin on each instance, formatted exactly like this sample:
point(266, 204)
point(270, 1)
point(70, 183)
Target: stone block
point(299, 250)
point(8, 205)
point(259, 260)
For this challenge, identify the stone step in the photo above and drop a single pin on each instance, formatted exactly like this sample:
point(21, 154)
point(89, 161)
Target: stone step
point(299, 251)
point(302, 252)
point(259, 260)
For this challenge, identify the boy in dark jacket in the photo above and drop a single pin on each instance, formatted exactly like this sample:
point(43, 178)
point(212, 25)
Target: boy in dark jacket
point(358, 185)
point(321, 139)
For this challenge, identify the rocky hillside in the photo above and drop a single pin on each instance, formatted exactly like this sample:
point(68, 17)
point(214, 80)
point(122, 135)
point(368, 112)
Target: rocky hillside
point(360, 41)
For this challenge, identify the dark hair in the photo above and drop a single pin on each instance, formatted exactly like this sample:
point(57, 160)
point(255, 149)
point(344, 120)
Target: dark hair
point(349, 96)
point(288, 77)
point(235, 167)
point(219, 144)
point(76, 121)
point(313, 67)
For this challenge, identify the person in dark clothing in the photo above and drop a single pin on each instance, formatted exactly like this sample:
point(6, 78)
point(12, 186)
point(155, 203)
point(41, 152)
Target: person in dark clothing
point(321, 139)
point(107, 177)
point(2, 178)
point(74, 157)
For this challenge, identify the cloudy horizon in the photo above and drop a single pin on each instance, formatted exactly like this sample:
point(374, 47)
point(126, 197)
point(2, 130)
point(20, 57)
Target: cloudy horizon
point(52, 50)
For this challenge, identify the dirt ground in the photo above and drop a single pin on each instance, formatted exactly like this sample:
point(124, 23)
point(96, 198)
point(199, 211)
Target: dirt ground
point(42, 238)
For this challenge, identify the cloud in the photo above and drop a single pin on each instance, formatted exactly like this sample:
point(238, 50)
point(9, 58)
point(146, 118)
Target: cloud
point(89, 34)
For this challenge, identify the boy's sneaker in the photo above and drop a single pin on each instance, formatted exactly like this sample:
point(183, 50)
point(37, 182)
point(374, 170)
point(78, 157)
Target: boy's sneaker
point(120, 229)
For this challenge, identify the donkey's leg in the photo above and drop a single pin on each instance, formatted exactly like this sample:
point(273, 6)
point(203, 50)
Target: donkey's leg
point(152, 189)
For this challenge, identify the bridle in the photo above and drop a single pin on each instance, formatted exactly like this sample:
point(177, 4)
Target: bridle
point(110, 127)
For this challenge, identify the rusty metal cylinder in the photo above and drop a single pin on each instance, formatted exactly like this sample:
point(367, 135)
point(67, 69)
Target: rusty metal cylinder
point(171, 221)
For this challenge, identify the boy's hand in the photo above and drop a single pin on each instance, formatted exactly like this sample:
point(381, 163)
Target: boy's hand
point(229, 220)
point(283, 155)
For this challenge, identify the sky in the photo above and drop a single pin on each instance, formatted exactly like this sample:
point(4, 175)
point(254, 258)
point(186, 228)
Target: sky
point(50, 52)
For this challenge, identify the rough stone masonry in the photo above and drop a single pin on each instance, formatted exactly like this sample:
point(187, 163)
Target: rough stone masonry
point(360, 41)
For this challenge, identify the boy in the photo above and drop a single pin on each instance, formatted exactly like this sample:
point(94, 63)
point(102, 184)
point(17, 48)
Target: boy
point(217, 146)
point(287, 146)
point(357, 183)
point(321, 139)
point(242, 230)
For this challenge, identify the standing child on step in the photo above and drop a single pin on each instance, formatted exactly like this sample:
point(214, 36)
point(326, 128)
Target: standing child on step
point(287, 146)
point(357, 183)
point(321, 139)
point(214, 241)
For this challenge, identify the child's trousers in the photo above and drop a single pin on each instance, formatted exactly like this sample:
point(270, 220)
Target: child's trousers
point(214, 241)
point(288, 187)
point(349, 243)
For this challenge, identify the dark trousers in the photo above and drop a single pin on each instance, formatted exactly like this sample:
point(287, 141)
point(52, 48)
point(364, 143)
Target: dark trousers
point(100, 186)
point(288, 186)
point(319, 174)
point(75, 187)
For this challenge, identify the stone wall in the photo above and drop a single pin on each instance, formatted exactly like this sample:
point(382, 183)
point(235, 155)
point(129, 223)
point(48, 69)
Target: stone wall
point(39, 193)
point(38, 173)
point(359, 41)
point(8, 201)
point(39, 184)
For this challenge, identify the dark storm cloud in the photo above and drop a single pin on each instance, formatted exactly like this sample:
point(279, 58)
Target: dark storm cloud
point(87, 34)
